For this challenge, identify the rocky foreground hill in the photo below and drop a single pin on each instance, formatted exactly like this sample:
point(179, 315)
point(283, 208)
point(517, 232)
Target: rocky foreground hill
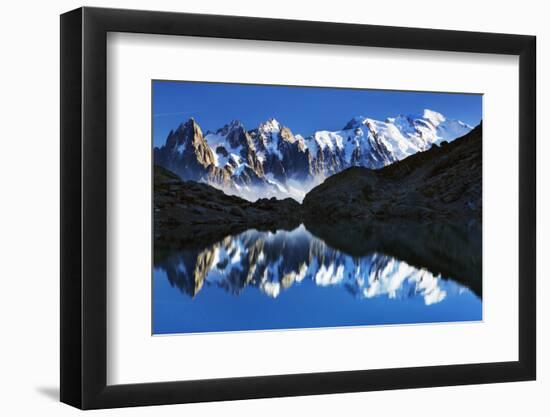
point(188, 211)
point(440, 184)
point(443, 182)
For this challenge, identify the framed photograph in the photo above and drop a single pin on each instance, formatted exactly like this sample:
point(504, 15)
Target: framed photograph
point(256, 208)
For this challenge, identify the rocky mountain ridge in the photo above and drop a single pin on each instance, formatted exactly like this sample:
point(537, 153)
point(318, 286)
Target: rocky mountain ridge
point(443, 182)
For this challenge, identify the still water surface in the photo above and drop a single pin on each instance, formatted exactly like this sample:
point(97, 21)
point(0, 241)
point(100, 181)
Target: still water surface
point(261, 280)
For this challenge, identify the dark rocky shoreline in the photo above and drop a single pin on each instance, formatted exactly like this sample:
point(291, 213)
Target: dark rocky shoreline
point(188, 212)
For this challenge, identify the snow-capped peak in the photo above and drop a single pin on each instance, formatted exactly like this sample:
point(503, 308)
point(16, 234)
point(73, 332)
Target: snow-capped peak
point(234, 124)
point(433, 117)
point(183, 125)
point(355, 122)
point(270, 125)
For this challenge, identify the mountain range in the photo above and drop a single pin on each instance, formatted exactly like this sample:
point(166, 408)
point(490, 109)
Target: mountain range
point(270, 160)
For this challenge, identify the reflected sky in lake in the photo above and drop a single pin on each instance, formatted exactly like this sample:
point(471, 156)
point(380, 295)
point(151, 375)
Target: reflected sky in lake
point(262, 280)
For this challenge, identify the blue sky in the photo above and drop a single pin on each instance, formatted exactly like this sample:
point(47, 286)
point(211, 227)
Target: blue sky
point(303, 109)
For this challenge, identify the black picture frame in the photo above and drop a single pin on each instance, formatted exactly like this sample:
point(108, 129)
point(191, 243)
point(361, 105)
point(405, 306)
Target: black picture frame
point(84, 207)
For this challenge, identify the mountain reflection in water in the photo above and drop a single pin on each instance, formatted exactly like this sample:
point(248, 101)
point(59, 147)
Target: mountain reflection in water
point(293, 279)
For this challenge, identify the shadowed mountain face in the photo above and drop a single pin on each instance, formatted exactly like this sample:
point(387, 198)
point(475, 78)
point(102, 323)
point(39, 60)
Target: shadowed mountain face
point(443, 182)
point(186, 151)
